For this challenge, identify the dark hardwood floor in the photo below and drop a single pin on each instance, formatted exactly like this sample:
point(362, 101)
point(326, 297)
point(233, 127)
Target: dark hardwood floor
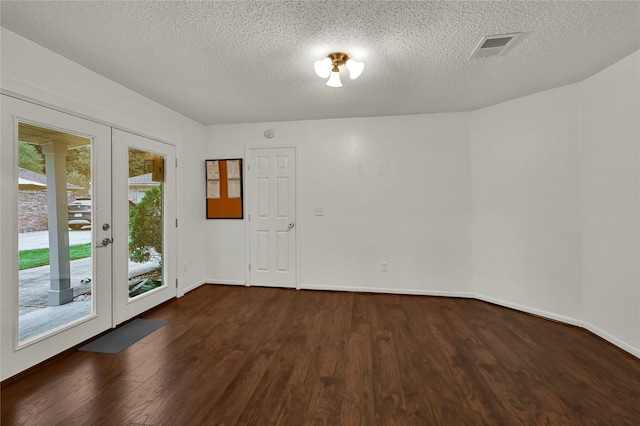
point(260, 356)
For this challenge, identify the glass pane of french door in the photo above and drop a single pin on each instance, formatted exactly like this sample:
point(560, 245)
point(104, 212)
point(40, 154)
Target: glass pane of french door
point(146, 221)
point(54, 230)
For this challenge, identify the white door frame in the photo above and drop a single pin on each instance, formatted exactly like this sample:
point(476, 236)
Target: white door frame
point(247, 200)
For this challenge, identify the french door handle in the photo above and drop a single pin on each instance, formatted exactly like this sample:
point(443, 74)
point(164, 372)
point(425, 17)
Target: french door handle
point(105, 242)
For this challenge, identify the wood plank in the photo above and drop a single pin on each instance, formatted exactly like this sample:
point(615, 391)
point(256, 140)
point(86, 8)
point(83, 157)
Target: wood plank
point(358, 403)
point(389, 397)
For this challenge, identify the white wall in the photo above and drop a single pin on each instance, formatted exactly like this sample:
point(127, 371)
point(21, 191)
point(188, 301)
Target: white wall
point(392, 188)
point(610, 105)
point(37, 73)
point(555, 188)
point(526, 205)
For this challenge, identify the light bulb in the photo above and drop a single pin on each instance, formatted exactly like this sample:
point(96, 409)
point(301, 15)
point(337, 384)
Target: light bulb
point(334, 80)
point(355, 68)
point(323, 67)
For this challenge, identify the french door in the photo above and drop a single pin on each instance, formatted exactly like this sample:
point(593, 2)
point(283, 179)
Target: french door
point(88, 230)
point(59, 302)
point(145, 222)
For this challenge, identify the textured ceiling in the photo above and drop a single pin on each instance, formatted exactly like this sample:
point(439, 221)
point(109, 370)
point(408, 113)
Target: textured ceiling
point(232, 62)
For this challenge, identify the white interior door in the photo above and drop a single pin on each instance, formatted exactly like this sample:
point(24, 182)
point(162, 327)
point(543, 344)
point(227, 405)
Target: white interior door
point(272, 217)
point(65, 162)
point(144, 243)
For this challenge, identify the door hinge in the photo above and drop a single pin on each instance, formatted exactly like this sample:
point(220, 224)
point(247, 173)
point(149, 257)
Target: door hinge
point(176, 283)
point(248, 167)
point(249, 266)
point(249, 217)
point(176, 162)
point(176, 222)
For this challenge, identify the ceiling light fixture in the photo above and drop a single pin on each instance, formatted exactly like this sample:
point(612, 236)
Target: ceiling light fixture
point(330, 67)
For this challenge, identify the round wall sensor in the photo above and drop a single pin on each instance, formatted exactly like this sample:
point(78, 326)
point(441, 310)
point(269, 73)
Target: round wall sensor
point(268, 133)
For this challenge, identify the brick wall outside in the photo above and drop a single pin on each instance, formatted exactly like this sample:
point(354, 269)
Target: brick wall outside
point(32, 210)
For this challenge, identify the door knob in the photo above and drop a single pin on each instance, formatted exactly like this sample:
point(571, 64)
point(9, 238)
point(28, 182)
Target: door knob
point(105, 242)
point(291, 225)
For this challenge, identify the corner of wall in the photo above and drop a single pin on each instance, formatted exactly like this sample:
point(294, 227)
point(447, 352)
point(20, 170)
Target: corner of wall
point(601, 151)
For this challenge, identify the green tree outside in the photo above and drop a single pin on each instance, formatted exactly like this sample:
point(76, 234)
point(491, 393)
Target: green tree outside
point(30, 158)
point(145, 227)
point(79, 168)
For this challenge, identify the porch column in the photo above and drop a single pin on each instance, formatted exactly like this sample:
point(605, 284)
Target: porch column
point(60, 291)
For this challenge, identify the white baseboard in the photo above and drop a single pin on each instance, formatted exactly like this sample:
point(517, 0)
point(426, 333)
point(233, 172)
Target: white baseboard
point(417, 292)
point(190, 287)
point(224, 282)
point(530, 310)
point(611, 339)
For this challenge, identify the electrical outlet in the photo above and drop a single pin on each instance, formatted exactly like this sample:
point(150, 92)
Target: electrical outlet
point(385, 266)
point(319, 211)
point(184, 267)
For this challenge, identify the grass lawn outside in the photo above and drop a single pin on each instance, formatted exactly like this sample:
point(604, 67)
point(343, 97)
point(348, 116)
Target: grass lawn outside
point(40, 257)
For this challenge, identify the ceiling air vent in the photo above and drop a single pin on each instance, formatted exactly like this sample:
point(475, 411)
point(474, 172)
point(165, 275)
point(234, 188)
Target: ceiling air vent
point(494, 45)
